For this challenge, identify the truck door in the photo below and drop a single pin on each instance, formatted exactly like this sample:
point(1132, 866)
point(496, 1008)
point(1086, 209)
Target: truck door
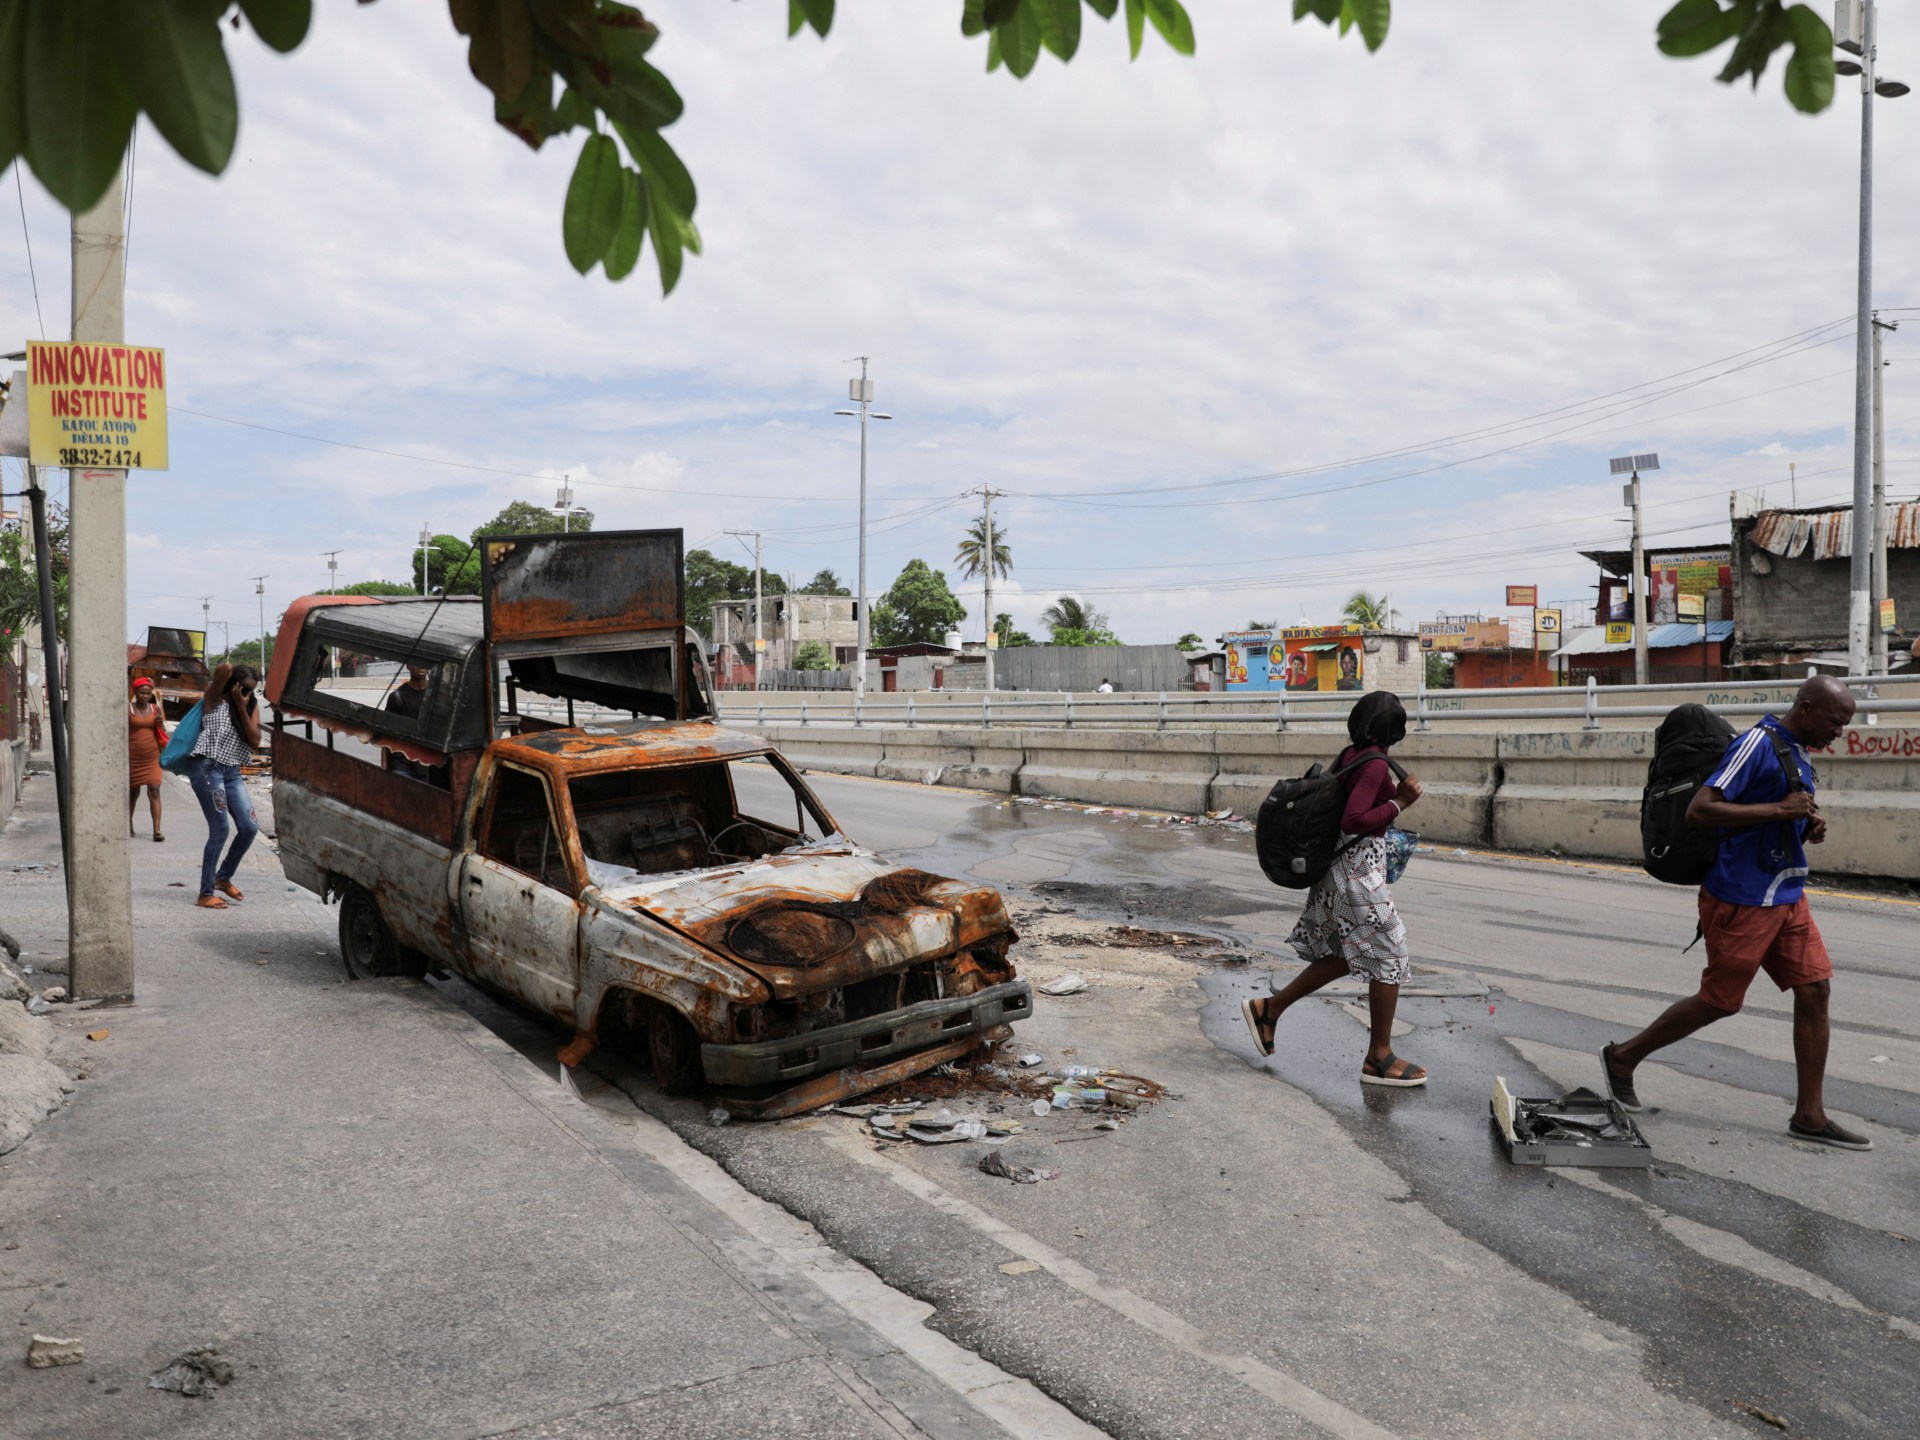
point(519, 898)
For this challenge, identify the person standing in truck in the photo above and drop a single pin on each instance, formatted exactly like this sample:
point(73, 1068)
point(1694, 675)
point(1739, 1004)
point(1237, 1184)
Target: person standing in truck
point(229, 734)
point(1753, 905)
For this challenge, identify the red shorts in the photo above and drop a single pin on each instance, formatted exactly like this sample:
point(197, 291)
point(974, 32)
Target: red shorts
point(1745, 939)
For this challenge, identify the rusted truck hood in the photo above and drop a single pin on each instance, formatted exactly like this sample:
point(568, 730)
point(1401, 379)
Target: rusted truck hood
point(805, 921)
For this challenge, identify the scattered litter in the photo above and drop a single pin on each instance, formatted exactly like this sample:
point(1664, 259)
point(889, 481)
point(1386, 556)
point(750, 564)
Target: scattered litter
point(1578, 1128)
point(33, 868)
point(176, 884)
point(1042, 1107)
point(1107, 1125)
point(54, 993)
point(719, 1116)
point(198, 1372)
point(994, 1163)
point(1765, 1416)
point(999, 1128)
point(1135, 937)
point(39, 1006)
point(46, 1351)
point(1018, 1267)
point(98, 1034)
point(1072, 983)
point(1879, 1059)
point(1027, 1062)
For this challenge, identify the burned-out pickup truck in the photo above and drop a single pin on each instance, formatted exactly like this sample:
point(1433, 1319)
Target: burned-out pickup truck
point(657, 882)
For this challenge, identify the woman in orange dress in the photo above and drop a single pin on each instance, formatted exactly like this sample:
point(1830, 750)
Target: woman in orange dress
point(146, 737)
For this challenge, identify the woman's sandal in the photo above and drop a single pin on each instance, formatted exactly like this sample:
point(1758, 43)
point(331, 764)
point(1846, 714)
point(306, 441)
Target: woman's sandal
point(1250, 1012)
point(1379, 1072)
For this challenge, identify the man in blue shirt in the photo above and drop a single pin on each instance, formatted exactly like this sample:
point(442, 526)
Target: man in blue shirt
point(1753, 909)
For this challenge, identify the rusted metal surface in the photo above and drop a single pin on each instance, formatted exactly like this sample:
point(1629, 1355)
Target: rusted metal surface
point(843, 1084)
point(424, 809)
point(599, 583)
point(587, 750)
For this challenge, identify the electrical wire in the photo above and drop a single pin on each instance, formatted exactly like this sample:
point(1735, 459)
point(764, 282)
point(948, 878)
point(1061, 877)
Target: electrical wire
point(32, 275)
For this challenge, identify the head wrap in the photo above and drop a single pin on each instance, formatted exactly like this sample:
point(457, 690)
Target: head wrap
point(1377, 718)
point(143, 681)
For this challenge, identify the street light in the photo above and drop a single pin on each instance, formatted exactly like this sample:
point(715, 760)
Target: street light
point(1856, 30)
point(563, 502)
point(1632, 465)
point(426, 557)
point(861, 392)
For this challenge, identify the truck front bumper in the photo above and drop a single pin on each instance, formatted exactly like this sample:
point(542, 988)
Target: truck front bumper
point(871, 1043)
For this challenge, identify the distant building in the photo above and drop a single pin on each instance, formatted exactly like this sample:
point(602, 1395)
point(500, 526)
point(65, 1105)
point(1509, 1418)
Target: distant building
point(787, 623)
point(1321, 658)
point(1791, 575)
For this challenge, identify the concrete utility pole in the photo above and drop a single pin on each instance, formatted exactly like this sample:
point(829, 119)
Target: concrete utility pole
point(260, 593)
point(759, 641)
point(986, 494)
point(861, 393)
point(1881, 587)
point(426, 557)
point(206, 626)
point(1631, 466)
point(563, 502)
point(100, 885)
point(333, 584)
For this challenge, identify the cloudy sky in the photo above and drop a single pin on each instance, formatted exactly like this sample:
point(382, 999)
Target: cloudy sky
point(1237, 334)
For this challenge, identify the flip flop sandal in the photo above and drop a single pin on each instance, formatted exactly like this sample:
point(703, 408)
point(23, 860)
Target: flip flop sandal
point(1374, 1072)
point(1252, 1017)
point(1829, 1134)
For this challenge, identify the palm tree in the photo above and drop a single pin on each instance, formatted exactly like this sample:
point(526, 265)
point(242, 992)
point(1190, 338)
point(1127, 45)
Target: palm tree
point(1072, 614)
point(1371, 611)
point(970, 558)
point(1263, 624)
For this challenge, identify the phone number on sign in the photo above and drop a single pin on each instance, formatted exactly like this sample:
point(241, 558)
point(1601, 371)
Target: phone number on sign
point(99, 455)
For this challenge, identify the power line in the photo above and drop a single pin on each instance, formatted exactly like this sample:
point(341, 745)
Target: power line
point(20, 191)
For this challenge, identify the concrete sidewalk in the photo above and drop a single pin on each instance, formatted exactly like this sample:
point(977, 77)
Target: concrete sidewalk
point(395, 1225)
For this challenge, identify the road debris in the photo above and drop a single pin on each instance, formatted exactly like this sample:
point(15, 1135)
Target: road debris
point(1028, 1062)
point(98, 1034)
point(994, 1163)
point(54, 994)
point(199, 1372)
point(1764, 1416)
point(1071, 983)
point(1578, 1128)
point(46, 1351)
point(1019, 1267)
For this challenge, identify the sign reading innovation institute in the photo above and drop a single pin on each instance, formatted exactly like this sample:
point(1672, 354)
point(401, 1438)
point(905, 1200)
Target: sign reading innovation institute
point(96, 406)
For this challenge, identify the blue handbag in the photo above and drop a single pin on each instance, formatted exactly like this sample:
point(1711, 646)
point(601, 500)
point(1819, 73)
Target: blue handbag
point(1400, 847)
point(178, 756)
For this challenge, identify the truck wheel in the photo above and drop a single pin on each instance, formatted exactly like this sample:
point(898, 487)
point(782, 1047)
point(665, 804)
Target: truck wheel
point(676, 1051)
point(367, 945)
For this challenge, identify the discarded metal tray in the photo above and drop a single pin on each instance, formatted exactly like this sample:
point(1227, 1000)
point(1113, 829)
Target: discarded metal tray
point(1578, 1128)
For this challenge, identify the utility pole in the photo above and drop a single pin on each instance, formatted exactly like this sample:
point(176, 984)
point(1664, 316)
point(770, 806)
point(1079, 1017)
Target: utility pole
point(50, 651)
point(206, 626)
point(426, 558)
point(100, 883)
point(260, 593)
point(333, 584)
point(987, 494)
point(861, 393)
point(1881, 589)
point(759, 641)
point(1632, 465)
point(563, 502)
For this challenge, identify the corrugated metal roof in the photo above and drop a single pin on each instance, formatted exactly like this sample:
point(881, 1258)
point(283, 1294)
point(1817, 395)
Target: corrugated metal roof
point(1660, 637)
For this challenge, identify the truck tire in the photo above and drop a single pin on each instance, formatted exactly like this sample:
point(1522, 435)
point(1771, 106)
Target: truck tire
point(367, 946)
point(676, 1051)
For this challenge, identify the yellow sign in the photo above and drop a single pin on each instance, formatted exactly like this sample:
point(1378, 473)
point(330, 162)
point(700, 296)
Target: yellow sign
point(1690, 607)
point(1619, 632)
point(1887, 614)
point(96, 406)
point(1546, 622)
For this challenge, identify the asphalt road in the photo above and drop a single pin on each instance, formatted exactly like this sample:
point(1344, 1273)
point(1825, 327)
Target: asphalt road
point(1278, 1251)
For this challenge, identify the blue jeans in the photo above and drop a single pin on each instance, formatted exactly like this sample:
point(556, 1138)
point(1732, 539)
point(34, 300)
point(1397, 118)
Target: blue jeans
point(222, 794)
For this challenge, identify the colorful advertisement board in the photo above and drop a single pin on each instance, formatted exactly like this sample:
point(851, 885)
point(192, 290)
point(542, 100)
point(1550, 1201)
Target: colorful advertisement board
point(96, 406)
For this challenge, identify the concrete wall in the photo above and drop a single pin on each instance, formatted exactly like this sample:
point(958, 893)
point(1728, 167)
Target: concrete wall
point(13, 775)
point(1574, 792)
point(1081, 668)
point(1802, 602)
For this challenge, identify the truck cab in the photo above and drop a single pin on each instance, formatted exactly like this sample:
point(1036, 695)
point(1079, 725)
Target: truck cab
point(528, 788)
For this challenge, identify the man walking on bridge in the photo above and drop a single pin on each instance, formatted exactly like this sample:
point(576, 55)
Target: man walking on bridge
point(1753, 909)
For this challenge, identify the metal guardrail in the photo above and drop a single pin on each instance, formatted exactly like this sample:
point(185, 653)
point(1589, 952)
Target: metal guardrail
point(1167, 710)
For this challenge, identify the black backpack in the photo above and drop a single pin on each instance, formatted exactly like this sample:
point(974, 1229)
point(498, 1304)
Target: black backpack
point(1687, 748)
point(1297, 832)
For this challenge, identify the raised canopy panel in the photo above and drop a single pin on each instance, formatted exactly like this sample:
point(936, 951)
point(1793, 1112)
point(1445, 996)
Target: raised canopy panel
point(601, 583)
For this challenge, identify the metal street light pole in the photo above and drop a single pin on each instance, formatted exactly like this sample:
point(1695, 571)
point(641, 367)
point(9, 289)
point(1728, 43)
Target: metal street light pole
point(426, 558)
point(333, 584)
point(759, 640)
point(861, 392)
point(260, 592)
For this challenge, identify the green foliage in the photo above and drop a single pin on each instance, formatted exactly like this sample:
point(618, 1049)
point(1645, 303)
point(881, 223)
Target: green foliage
point(453, 567)
point(1010, 638)
point(1073, 622)
point(711, 580)
point(825, 582)
point(381, 587)
point(1368, 610)
point(1758, 28)
point(918, 609)
point(76, 74)
point(246, 652)
point(1263, 625)
point(525, 518)
point(19, 581)
point(1189, 641)
point(1439, 670)
point(971, 558)
point(813, 656)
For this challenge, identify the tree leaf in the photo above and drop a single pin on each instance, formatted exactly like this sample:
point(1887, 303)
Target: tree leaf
point(1325, 11)
point(174, 60)
point(796, 17)
point(499, 44)
point(592, 213)
point(79, 112)
point(1372, 17)
point(1105, 9)
point(13, 60)
point(574, 111)
point(998, 12)
point(666, 176)
point(1170, 19)
point(993, 51)
point(1020, 39)
point(283, 24)
point(973, 17)
point(625, 35)
point(1059, 26)
point(1694, 27)
point(1136, 27)
point(574, 25)
point(1810, 71)
point(819, 15)
point(624, 253)
point(665, 232)
point(530, 116)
